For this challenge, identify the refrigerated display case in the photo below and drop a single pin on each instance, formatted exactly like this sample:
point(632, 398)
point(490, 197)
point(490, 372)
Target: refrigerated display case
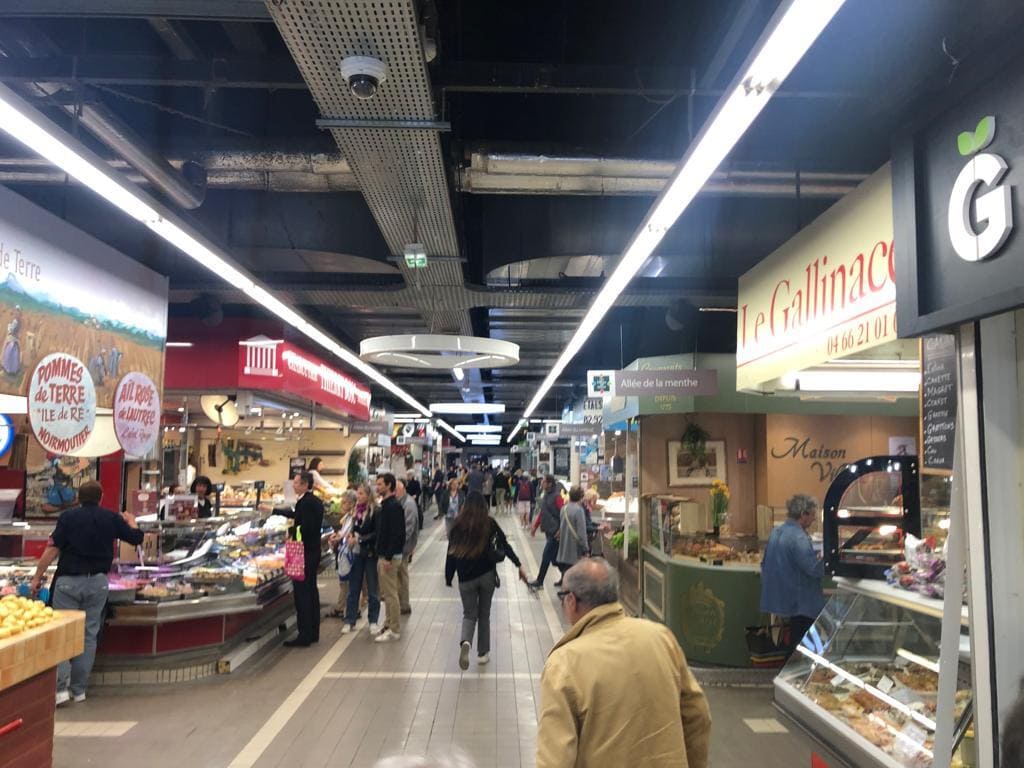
point(870, 508)
point(865, 679)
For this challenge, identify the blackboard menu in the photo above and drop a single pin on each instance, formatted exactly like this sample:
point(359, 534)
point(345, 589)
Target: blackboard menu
point(938, 402)
point(562, 461)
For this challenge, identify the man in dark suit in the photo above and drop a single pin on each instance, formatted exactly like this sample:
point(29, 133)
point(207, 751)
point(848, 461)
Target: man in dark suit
point(309, 519)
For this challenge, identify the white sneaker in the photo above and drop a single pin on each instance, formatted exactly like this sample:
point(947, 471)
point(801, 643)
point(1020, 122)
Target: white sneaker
point(374, 629)
point(63, 697)
point(346, 629)
point(79, 698)
point(387, 636)
point(464, 656)
point(481, 660)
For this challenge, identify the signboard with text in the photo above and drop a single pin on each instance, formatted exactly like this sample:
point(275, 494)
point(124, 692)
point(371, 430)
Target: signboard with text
point(686, 383)
point(61, 404)
point(278, 365)
point(957, 180)
point(828, 292)
point(137, 414)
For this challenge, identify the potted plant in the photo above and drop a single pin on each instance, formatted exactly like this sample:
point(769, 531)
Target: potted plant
point(695, 442)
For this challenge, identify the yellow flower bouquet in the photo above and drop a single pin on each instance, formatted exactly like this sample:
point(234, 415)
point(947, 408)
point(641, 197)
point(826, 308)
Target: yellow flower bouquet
point(719, 494)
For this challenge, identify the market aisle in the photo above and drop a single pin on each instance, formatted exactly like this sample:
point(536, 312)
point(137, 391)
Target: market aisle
point(348, 701)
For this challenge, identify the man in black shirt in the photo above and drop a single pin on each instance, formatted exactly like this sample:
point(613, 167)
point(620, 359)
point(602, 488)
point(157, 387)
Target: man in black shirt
point(390, 543)
point(84, 542)
point(309, 519)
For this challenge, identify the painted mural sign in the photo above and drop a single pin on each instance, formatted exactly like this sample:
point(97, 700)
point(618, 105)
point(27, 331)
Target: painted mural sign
point(63, 291)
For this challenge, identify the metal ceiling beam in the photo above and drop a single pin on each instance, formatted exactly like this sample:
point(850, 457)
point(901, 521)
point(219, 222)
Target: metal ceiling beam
point(178, 41)
point(278, 73)
point(580, 80)
point(217, 10)
point(244, 37)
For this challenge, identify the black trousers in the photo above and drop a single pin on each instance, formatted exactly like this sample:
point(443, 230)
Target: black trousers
point(798, 627)
point(307, 607)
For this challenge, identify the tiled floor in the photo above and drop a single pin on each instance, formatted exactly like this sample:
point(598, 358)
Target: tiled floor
point(347, 701)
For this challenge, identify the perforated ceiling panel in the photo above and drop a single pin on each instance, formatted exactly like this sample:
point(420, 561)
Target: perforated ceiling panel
point(400, 172)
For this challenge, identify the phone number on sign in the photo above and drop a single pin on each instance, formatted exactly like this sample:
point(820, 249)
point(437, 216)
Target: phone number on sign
point(862, 333)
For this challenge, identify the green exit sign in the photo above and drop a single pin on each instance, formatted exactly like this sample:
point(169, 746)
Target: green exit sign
point(415, 256)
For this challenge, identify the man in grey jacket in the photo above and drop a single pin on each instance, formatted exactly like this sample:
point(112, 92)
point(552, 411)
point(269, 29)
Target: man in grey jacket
point(412, 534)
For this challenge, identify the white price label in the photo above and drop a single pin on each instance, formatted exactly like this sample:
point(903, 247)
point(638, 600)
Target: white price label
point(886, 684)
point(838, 680)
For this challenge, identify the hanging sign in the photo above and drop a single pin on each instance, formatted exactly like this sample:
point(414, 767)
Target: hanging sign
point(666, 382)
point(600, 383)
point(828, 292)
point(136, 414)
point(61, 403)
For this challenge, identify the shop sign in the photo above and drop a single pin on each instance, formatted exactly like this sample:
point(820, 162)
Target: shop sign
point(958, 209)
point(681, 383)
point(137, 414)
point(600, 383)
point(61, 404)
point(575, 430)
point(63, 291)
point(828, 292)
point(278, 365)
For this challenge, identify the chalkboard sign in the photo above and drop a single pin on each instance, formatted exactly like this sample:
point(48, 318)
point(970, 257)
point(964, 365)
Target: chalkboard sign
point(938, 403)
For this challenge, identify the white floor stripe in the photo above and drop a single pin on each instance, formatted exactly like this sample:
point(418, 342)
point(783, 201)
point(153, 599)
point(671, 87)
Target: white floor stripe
point(550, 615)
point(267, 732)
point(428, 675)
point(93, 729)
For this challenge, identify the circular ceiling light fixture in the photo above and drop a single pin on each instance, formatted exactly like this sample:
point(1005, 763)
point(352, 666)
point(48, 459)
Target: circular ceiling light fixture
point(428, 351)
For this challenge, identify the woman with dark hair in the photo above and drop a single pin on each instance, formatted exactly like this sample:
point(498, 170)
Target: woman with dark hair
point(319, 484)
point(476, 544)
point(202, 487)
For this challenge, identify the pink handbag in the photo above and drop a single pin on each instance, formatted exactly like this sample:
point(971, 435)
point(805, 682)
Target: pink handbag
point(295, 557)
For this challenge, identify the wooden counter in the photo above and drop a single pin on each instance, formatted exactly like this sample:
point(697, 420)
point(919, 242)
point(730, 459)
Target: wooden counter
point(28, 683)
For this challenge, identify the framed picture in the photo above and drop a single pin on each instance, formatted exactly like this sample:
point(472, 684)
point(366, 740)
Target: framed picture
point(685, 469)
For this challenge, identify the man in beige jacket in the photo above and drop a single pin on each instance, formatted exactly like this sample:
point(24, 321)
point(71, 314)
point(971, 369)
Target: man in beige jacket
point(616, 691)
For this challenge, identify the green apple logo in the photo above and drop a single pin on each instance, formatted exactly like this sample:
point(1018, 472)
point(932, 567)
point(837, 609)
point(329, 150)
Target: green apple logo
point(979, 223)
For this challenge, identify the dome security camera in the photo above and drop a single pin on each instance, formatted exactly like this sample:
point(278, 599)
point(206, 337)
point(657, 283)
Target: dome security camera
point(363, 75)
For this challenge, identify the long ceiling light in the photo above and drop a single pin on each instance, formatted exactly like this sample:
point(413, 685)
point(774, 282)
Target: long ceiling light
point(467, 409)
point(26, 124)
point(485, 439)
point(450, 430)
point(478, 428)
point(790, 33)
point(519, 426)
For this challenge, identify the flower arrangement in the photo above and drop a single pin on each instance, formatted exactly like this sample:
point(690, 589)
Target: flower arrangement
point(719, 494)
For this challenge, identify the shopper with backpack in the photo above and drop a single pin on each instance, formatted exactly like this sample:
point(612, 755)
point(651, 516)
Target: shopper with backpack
point(548, 520)
point(523, 490)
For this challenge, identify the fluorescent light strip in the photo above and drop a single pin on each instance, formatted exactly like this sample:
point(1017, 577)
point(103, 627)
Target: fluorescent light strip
point(792, 31)
point(519, 426)
point(448, 428)
point(477, 428)
point(26, 124)
point(467, 409)
point(178, 344)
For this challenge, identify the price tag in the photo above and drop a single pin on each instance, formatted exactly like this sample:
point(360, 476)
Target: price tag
point(838, 680)
point(886, 684)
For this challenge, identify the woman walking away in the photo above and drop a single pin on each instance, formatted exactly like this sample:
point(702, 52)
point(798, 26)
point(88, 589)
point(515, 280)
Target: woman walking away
point(573, 544)
point(452, 503)
point(363, 543)
point(476, 544)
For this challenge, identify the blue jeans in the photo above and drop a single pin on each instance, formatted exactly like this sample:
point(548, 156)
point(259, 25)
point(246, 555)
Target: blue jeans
point(363, 567)
point(81, 593)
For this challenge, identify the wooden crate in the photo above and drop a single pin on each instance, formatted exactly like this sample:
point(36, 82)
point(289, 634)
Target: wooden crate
point(40, 649)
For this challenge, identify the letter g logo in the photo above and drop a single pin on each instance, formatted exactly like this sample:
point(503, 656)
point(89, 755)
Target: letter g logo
point(992, 210)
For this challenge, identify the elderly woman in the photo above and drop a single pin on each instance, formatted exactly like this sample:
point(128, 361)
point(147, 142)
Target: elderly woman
point(792, 571)
point(342, 553)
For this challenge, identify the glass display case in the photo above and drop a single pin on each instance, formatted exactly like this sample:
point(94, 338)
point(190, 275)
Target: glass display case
point(865, 678)
point(870, 508)
point(677, 530)
point(935, 492)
